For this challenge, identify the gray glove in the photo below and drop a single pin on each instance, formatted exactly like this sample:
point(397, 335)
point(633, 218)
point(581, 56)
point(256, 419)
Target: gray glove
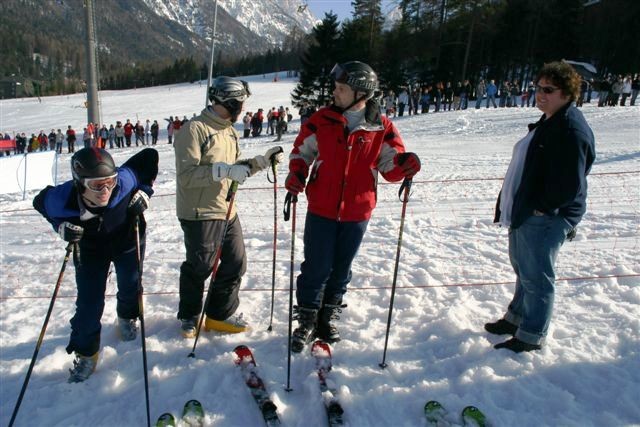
point(238, 173)
point(265, 161)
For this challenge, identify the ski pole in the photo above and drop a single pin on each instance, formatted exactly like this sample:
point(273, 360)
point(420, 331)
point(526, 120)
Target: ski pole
point(231, 195)
point(141, 315)
point(405, 187)
point(274, 167)
point(290, 199)
point(42, 332)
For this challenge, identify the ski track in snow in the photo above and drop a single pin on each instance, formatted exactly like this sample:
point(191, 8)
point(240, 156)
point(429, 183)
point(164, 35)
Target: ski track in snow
point(586, 375)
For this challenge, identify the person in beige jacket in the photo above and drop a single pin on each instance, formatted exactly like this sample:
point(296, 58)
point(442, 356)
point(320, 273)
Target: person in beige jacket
point(207, 162)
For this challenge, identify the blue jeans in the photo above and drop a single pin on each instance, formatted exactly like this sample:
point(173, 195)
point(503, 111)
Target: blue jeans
point(533, 249)
point(329, 249)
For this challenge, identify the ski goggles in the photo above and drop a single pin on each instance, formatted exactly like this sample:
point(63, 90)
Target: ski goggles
point(97, 185)
point(339, 74)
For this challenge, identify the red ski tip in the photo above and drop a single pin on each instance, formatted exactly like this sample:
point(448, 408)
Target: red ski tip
point(243, 355)
point(320, 349)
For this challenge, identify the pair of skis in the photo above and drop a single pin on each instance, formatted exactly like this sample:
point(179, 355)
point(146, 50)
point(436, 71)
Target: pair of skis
point(322, 354)
point(192, 416)
point(437, 416)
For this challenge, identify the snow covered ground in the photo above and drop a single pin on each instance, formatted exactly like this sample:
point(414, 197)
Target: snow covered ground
point(454, 276)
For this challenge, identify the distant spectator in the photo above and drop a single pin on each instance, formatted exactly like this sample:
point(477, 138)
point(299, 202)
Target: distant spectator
point(128, 131)
point(52, 140)
point(43, 141)
point(139, 132)
point(492, 90)
point(103, 136)
point(626, 90)
point(86, 137)
point(154, 132)
point(481, 90)
point(147, 131)
point(59, 141)
point(246, 122)
point(170, 129)
point(635, 88)
point(71, 140)
point(119, 135)
point(112, 136)
point(403, 101)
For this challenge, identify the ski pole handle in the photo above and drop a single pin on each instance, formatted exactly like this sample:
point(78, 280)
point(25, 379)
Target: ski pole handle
point(406, 187)
point(232, 190)
point(290, 198)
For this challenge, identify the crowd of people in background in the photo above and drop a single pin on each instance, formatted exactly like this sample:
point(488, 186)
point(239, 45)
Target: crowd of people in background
point(441, 96)
point(412, 99)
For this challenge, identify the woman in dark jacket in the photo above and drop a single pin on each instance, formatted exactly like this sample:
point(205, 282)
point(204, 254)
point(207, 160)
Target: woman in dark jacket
point(542, 200)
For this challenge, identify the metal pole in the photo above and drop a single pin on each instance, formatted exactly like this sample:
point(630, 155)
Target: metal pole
point(213, 46)
point(41, 336)
point(404, 189)
point(141, 316)
point(93, 109)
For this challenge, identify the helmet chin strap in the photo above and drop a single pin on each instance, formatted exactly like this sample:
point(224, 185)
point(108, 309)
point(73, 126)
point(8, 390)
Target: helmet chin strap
point(355, 101)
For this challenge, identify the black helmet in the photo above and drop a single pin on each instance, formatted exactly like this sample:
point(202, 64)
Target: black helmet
point(230, 93)
point(357, 75)
point(89, 163)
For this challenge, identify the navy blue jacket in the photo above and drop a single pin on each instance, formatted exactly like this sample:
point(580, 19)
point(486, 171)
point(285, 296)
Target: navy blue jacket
point(554, 179)
point(112, 224)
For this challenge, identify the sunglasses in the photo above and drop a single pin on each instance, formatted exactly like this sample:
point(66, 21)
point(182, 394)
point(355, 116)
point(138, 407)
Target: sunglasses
point(547, 89)
point(97, 185)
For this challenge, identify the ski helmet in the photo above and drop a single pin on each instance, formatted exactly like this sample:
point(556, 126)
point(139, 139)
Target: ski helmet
point(91, 163)
point(230, 93)
point(357, 75)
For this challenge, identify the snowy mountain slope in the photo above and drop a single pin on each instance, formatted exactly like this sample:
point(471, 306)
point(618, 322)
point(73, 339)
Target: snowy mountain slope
point(270, 20)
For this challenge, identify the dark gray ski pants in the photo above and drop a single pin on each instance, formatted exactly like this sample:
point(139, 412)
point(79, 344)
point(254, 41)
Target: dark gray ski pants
point(201, 239)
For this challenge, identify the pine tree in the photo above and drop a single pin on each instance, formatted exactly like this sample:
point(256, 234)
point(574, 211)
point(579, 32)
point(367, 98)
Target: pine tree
point(315, 84)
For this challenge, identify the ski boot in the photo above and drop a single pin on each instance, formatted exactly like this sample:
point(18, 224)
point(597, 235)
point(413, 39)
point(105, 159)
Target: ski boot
point(232, 325)
point(127, 329)
point(189, 326)
point(83, 367)
point(303, 334)
point(327, 330)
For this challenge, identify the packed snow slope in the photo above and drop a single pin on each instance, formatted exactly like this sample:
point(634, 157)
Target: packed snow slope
point(454, 275)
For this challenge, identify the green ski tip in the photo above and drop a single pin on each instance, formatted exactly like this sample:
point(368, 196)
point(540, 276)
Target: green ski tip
point(473, 417)
point(434, 412)
point(166, 420)
point(192, 413)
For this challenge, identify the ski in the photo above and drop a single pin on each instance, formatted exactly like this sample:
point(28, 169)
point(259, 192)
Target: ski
point(193, 414)
point(322, 353)
point(470, 416)
point(166, 420)
point(247, 363)
point(473, 417)
point(436, 414)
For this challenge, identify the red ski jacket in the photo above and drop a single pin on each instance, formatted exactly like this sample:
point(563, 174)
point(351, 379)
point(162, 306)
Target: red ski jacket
point(344, 165)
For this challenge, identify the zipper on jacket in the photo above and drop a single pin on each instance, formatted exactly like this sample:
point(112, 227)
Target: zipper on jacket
point(349, 148)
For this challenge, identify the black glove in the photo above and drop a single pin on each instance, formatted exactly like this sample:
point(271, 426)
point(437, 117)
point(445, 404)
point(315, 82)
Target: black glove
point(138, 204)
point(409, 163)
point(294, 183)
point(70, 232)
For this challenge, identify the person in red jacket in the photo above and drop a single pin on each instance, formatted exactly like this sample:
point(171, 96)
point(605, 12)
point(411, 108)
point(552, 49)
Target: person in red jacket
point(128, 131)
point(340, 150)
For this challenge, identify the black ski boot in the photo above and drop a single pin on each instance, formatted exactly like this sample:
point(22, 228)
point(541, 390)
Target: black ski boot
point(327, 330)
point(303, 334)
